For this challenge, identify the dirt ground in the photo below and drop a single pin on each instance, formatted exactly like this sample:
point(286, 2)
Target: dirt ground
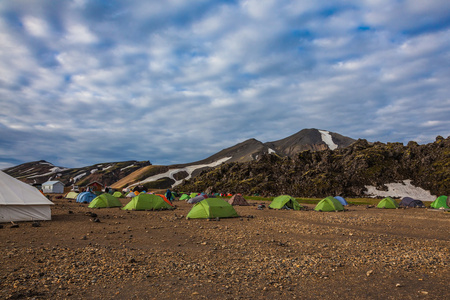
point(265, 254)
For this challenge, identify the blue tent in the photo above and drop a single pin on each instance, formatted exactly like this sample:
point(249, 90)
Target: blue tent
point(410, 202)
point(342, 200)
point(86, 197)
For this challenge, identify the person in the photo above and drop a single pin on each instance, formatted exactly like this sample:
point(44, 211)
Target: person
point(169, 195)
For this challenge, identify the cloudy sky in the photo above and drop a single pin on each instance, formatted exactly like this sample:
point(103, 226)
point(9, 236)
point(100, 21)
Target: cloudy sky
point(175, 81)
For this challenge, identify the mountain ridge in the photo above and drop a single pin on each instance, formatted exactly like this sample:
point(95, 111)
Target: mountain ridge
point(113, 173)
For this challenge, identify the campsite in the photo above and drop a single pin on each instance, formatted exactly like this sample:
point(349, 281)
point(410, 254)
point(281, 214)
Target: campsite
point(111, 253)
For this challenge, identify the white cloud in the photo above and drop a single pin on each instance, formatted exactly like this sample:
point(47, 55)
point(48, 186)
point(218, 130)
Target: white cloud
point(163, 74)
point(79, 34)
point(36, 26)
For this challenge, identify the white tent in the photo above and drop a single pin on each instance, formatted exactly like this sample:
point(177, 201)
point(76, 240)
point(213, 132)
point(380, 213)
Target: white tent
point(21, 202)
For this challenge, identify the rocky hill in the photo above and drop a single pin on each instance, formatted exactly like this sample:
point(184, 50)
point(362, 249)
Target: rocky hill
point(344, 171)
point(38, 172)
point(309, 139)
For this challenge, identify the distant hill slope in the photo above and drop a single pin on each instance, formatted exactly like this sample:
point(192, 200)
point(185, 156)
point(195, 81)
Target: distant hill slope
point(38, 172)
point(344, 171)
point(139, 175)
point(248, 150)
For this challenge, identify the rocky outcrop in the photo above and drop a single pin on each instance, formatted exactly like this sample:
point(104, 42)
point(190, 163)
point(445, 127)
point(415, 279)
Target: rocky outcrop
point(344, 171)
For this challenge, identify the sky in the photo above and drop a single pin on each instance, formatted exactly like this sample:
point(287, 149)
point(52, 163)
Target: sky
point(85, 82)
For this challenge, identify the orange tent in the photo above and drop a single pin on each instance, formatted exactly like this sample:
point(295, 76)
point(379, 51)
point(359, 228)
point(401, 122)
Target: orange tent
point(165, 199)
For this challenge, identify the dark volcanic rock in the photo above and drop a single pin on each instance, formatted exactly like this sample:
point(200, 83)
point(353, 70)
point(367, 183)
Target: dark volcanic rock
point(342, 171)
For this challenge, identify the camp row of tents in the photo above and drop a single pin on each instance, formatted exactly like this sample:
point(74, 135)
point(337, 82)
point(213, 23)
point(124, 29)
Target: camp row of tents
point(337, 203)
point(22, 202)
point(142, 201)
point(211, 207)
point(207, 208)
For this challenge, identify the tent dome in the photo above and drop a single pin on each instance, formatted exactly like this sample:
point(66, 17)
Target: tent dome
point(341, 199)
point(238, 199)
point(387, 202)
point(212, 208)
point(184, 197)
point(21, 202)
point(105, 200)
point(410, 202)
point(196, 199)
point(85, 197)
point(440, 201)
point(118, 195)
point(329, 204)
point(285, 201)
point(72, 195)
point(147, 202)
point(131, 195)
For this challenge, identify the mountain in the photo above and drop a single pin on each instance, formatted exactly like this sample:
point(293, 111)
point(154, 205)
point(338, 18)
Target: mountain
point(163, 177)
point(248, 150)
point(132, 173)
point(38, 172)
point(310, 139)
point(350, 171)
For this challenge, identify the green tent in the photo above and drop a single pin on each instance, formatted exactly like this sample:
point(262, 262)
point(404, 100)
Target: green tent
point(72, 195)
point(105, 200)
point(118, 195)
point(285, 201)
point(147, 202)
point(440, 201)
point(184, 197)
point(387, 202)
point(212, 208)
point(329, 204)
point(192, 195)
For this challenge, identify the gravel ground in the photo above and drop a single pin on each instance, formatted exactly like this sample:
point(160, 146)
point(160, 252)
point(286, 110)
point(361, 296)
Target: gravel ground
point(358, 254)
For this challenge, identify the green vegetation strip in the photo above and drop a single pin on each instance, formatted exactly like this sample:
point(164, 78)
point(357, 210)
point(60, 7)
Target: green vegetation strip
point(354, 201)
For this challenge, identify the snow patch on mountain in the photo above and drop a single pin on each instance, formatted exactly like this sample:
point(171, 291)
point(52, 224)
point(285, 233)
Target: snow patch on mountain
point(327, 139)
point(400, 190)
point(188, 169)
point(53, 170)
point(130, 166)
point(78, 177)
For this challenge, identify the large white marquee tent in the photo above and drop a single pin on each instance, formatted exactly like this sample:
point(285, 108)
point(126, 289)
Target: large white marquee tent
point(21, 202)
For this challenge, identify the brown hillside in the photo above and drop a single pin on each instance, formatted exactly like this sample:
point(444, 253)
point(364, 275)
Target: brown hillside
point(138, 175)
point(130, 178)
